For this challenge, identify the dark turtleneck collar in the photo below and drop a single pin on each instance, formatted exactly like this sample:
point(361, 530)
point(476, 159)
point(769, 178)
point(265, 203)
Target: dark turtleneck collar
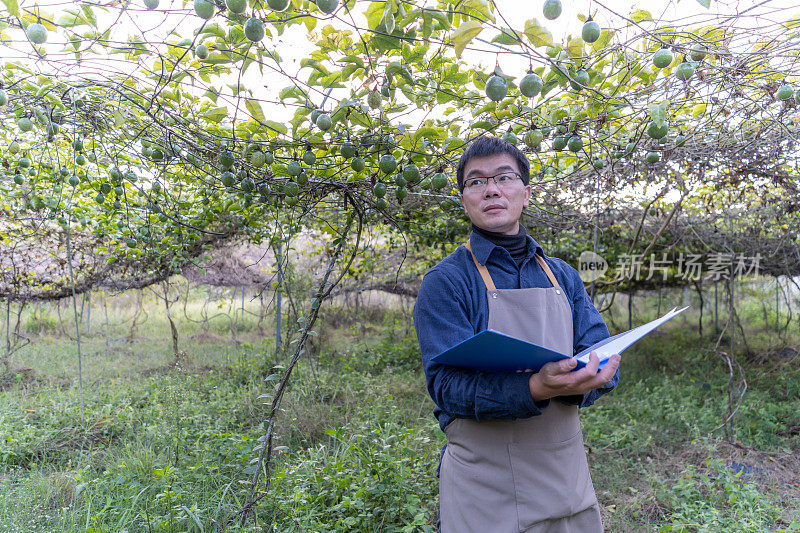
point(517, 245)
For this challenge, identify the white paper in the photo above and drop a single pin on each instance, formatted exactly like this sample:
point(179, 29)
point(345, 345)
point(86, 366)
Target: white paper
point(616, 344)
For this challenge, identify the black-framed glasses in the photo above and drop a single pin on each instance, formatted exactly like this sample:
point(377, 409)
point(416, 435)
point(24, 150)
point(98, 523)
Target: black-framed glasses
point(503, 180)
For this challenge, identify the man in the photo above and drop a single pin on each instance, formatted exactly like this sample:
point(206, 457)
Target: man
point(514, 459)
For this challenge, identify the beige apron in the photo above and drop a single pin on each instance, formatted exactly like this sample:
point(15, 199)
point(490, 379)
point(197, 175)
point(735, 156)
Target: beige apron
point(526, 475)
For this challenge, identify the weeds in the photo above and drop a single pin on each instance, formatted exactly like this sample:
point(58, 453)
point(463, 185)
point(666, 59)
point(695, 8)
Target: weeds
point(165, 447)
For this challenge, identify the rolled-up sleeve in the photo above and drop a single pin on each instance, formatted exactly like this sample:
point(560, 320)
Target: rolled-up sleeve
point(441, 319)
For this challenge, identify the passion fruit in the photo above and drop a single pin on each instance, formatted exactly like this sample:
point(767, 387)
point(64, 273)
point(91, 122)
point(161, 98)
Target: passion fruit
point(662, 58)
point(657, 132)
point(327, 6)
point(698, 52)
point(784, 92)
point(25, 124)
point(254, 29)
point(387, 163)
point(591, 31)
point(551, 9)
point(684, 71)
point(204, 9)
point(411, 173)
point(324, 122)
point(37, 33)
point(278, 5)
point(294, 168)
point(530, 85)
point(236, 6)
point(496, 88)
point(357, 164)
point(439, 181)
point(575, 143)
point(348, 150)
point(201, 52)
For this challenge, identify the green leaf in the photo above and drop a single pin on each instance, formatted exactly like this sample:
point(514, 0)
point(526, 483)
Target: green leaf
point(537, 35)
point(658, 112)
point(276, 126)
point(575, 47)
point(89, 15)
point(464, 34)
point(310, 22)
point(215, 114)
point(698, 110)
point(640, 15)
point(255, 109)
point(506, 36)
point(12, 7)
point(705, 3)
point(374, 14)
point(604, 40)
point(481, 7)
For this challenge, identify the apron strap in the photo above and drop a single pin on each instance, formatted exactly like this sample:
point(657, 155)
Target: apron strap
point(487, 278)
point(484, 272)
point(543, 264)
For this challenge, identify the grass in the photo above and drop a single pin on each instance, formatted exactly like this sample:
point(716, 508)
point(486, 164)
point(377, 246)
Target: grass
point(166, 444)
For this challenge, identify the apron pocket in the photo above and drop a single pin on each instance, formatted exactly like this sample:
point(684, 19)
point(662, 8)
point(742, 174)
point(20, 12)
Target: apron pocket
point(551, 480)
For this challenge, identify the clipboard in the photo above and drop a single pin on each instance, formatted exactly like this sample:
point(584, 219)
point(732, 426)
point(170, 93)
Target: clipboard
point(492, 351)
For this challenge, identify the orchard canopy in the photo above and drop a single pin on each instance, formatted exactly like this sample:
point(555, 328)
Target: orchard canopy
point(138, 134)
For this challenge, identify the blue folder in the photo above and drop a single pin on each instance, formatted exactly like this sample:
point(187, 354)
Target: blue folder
point(490, 351)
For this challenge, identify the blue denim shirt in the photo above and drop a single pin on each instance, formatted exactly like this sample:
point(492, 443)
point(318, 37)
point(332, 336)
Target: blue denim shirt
point(452, 306)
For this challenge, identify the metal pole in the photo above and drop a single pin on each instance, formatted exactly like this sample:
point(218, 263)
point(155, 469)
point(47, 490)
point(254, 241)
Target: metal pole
point(777, 305)
point(75, 314)
point(88, 311)
point(278, 311)
point(716, 313)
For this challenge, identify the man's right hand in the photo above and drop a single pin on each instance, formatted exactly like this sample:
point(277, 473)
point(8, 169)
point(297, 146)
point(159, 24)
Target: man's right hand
point(557, 378)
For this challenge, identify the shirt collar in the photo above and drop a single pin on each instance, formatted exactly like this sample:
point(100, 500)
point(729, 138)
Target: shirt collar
point(483, 248)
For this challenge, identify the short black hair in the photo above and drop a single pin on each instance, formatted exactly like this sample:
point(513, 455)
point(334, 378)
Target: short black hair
point(487, 145)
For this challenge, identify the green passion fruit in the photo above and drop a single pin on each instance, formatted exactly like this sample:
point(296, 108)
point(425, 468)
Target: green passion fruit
point(684, 71)
point(204, 9)
point(324, 122)
point(530, 85)
point(496, 88)
point(254, 29)
point(278, 5)
point(37, 33)
point(591, 31)
point(236, 6)
point(662, 58)
point(551, 9)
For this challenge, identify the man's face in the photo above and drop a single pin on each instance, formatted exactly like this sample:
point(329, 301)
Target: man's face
point(495, 208)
